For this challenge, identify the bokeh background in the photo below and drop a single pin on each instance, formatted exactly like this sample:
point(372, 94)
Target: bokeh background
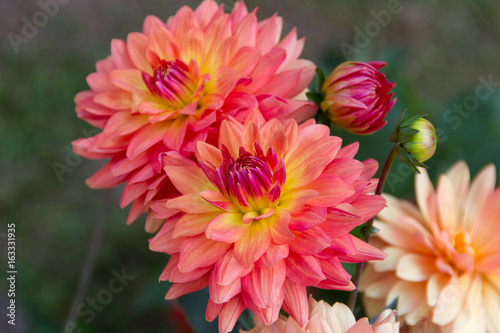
point(71, 240)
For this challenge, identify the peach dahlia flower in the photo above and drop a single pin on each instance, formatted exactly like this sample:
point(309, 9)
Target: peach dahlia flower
point(324, 318)
point(443, 255)
point(168, 87)
point(264, 214)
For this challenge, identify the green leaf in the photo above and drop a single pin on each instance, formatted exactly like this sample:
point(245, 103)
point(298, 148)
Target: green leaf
point(406, 134)
point(321, 77)
point(407, 122)
point(368, 230)
point(315, 97)
point(405, 158)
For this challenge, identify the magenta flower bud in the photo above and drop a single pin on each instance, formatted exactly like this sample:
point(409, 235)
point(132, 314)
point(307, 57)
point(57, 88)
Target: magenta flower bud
point(356, 96)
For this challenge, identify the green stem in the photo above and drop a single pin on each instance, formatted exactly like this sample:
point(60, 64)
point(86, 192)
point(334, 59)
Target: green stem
point(380, 187)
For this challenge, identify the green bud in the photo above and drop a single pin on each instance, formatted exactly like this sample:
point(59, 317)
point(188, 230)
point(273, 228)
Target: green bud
point(422, 145)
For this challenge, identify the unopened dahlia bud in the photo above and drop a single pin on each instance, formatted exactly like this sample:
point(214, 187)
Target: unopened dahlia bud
point(423, 144)
point(417, 139)
point(356, 96)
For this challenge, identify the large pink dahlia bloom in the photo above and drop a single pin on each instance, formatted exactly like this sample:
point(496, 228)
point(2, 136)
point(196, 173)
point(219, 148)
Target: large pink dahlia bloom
point(324, 318)
point(263, 215)
point(168, 87)
point(443, 256)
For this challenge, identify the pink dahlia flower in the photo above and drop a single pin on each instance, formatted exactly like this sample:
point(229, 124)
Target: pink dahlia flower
point(263, 215)
point(324, 318)
point(356, 96)
point(168, 87)
point(443, 260)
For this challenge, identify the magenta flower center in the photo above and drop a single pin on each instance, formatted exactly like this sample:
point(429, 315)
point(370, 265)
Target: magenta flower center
point(252, 180)
point(173, 82)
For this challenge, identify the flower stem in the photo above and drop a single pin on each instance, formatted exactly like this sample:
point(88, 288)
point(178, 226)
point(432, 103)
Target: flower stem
point(380, 187)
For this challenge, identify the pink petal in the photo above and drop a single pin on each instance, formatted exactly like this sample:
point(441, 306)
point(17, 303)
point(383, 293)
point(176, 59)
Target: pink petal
point(364, 252)
point(145, 138)
point(305, 270)
point(222, 294)
point(332, 191)
point(226, 228)
point(309, 217)
point(227, 269)
point(273, 255)
point(199, 252)
point(309, 242)
point(263, 286)
point(295, 302)
point(230, 313)
point(179, 289)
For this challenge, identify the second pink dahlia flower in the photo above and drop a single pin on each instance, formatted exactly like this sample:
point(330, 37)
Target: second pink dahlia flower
point(443, 260)
point(169, 86)
point(356, 96)
point(264, 214)
point(338, 318)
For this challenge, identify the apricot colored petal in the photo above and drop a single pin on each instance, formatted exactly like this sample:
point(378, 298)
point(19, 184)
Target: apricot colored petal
point(278, 227)
point(127, 79)
point(114, 99)
point(482, 186)
point(253, 244)
point(137, 44)
point(192, 204)
point(174, 132)
point(294, 201)
point(192, 224)
point(416, 268)
point(226, 228)
point(188, 179)
point(361, 326)
point(120, 56)
point(410, 295)
point(219, 201)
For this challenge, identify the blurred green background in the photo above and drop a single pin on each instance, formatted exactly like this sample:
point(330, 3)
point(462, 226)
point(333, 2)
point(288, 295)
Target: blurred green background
point(438, 52)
